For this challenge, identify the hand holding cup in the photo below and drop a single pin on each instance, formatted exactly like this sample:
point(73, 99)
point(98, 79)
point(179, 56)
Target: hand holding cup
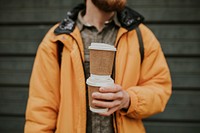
point(114, 98)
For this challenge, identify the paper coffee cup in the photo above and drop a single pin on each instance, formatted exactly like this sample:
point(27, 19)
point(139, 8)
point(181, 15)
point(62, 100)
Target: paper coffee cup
point(94, 83)
point(93, 108)
point(101, 58)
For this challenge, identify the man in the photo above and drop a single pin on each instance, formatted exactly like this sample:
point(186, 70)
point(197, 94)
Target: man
point(58, 99)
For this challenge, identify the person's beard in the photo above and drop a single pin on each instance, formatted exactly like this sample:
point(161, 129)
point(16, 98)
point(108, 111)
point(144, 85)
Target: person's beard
point(110, 5)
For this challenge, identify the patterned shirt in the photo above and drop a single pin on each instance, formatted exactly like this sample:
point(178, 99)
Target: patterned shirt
point(108, 34)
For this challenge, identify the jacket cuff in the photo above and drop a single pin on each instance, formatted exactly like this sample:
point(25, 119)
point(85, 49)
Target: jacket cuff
point(133, 103)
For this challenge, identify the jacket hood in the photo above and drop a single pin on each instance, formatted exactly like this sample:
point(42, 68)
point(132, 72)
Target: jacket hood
point(128, 18)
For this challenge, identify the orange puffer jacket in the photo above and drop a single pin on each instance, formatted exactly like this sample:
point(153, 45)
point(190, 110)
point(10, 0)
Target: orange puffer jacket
point(57, 96)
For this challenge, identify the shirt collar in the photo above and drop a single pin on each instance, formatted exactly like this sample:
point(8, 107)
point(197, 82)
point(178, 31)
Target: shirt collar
point(81, 23)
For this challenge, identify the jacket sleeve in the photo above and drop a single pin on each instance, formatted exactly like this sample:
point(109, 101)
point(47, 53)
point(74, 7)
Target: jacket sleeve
point(43, 101)
point(151, 94)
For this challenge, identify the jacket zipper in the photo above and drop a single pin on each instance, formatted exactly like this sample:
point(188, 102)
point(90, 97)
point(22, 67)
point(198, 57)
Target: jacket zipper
point(114, 115)
point(115, 123)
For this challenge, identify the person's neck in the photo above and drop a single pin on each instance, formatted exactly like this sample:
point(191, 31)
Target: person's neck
point(95, 16)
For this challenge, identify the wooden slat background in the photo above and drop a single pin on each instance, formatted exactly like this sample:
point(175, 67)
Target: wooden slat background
point(176, 23)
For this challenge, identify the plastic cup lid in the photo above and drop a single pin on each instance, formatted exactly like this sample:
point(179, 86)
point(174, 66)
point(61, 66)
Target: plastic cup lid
point(102, 46)
point(100, 81)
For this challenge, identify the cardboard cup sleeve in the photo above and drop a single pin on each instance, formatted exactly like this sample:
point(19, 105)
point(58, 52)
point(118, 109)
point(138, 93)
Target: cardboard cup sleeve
point(101, 58)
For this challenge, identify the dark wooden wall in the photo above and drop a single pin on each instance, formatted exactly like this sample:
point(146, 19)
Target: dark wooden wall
point(176, 23)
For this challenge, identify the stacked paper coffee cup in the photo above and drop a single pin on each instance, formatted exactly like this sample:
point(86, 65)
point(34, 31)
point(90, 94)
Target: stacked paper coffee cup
point(101, 65)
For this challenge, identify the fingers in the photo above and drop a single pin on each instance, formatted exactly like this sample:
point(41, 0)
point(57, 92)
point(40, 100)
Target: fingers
point(113, 89)
point(110, 100)
point(106, 104)
point(110, 111)
point(107, 96)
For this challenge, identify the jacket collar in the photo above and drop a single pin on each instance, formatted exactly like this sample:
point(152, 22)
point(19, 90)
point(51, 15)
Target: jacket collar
point(128, 18)
point(81, 23)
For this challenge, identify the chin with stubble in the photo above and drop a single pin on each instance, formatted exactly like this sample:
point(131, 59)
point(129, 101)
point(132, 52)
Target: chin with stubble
point(109, 5)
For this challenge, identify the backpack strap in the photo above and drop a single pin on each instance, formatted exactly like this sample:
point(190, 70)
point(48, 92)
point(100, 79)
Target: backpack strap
point(60, 46)
point(141, 45)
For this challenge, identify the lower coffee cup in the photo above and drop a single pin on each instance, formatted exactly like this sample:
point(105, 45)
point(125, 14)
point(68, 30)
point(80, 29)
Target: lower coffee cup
point(94, 83)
